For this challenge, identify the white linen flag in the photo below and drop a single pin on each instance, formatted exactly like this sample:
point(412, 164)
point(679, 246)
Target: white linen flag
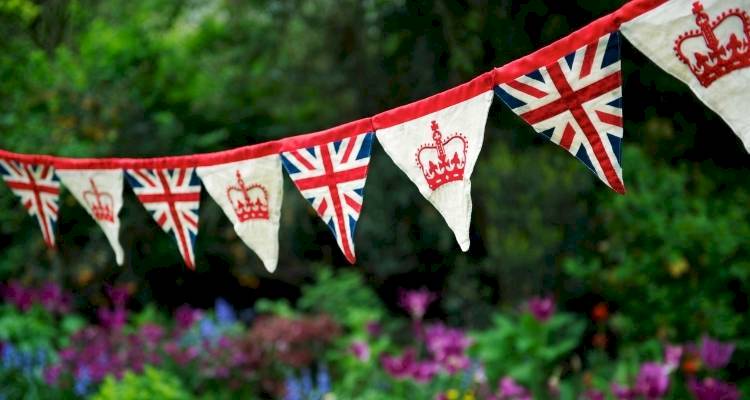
point(705, 44)
point(438, 152)
point(99, 191)
point(250, 194)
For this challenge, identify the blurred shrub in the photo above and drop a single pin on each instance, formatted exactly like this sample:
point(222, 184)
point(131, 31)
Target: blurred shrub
point(152, 384)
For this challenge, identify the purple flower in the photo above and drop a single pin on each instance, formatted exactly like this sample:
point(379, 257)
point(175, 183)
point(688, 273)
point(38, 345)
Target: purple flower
point(424, 371)
point(623, 392)
point(542, 308)
point(185, 316)
point(18, 295)
point(118, 294)
point(151, 333)
point(715, 354)
point(112, 319)
point(225, 314)
point(53, 299)
point(713, 389)
point(52, 374)
point(415, 302)
point(509, 389)
point(399, 367)
point(360, 350)
point(448, 347)
point(652, 381)
point(672, 356)
point(593, 394)
point(374, 329)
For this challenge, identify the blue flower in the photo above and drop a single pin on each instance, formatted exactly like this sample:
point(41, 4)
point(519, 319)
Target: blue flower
point(208, 329)
point(83, 380)
point(293, 389)
point(324, 380)
point(225, 314)
point(11, 356)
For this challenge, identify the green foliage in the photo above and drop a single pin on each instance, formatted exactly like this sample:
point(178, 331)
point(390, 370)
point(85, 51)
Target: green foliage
point(672, 240)
point(36, 329)
point(527, 349)
point(342, 295)
point(153, 384)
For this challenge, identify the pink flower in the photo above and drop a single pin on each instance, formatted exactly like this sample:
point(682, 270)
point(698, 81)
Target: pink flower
point(118, 294)
point(399, 367)
point(18, 295)
point(593, 394)
point(185, 316)
point(53, 298)
point(509, 389)
point(374, 329)
point(542, 308)
point(623, 392)
point(415, 302)
point(448, 347)
point(112, 319)
point(672, 356)
point(424, 371)
point(652, 381)
point(360, 350)
point(715, 354)
point(713, 389)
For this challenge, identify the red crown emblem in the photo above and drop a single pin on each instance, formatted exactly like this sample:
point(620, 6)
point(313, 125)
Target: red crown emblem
point(718, 47)
point(100, 203)
point(442, 161)
point(249, 201)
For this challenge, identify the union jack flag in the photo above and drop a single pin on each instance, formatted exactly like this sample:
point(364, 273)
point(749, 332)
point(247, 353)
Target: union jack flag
point(39, 190)
point(332, 178)
point(576, 102)
point(172, 196)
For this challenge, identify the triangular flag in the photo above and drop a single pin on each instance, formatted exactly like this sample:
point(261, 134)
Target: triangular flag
point(437, 152)
point(704, 44)
point(250, 194)
point(99, 191)
point(332, 178)
point(39, 190)
point(576, 102)
point(172, 196)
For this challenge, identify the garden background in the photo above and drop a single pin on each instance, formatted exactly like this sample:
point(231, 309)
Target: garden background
point(614, 281)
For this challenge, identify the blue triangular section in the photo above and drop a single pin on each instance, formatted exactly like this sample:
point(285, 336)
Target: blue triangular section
point(366, 148)
point(193, 236)
point(331, 227)
point(360, 192)
point(311, 150)
point(352, 225)
point(336, 145)
point(4, 171)
point(288, 166)
point(55, 178)
point(548, 133)
point(616, 143)
point(617, 103)
point(612, 53)
point(536, 75)
point(310, 200)
point(584, 156)
point(570, 58)
point(132, 181)
point(194, 181)
point(511, 101)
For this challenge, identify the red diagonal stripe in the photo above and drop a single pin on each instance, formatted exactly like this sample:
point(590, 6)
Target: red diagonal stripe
point(322, 207)
point(336, 200)
point(144, 177)
point(349, 148)
point(181, 240)
point(162, 220)
point(353, 204)
point(528, 89)
point(571, 98)
point(181, 177)
point(189, 219)
point(301, 159)
point(332, 179)
point(588, 59)
point(567, 137)
point(610, 119)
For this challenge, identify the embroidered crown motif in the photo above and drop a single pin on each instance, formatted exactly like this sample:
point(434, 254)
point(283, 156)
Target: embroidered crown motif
point(101, 203)
point(249, 201)
point(718, 47)
point(443, 160)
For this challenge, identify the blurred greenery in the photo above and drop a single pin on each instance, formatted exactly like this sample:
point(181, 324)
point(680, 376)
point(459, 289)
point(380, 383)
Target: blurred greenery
point(164, 77)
